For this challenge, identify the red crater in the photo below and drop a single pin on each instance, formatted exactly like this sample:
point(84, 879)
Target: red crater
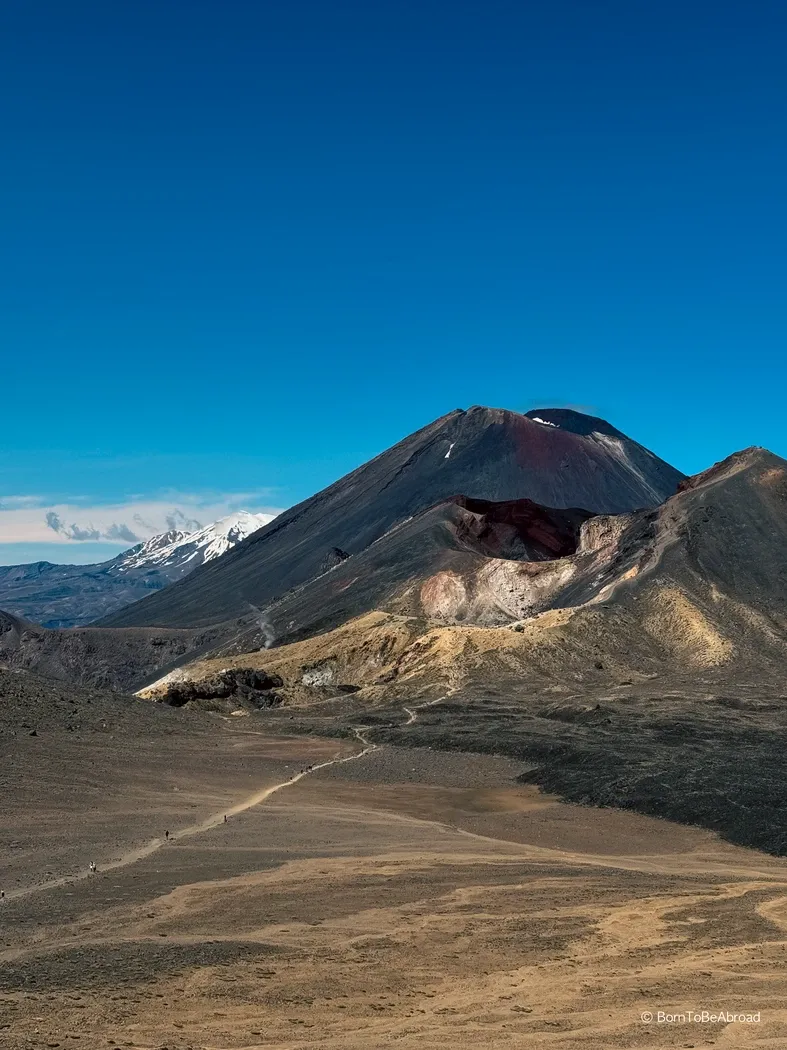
point(513, 528)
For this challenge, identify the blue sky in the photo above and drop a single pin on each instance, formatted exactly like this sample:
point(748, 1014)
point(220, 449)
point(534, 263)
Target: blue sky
point(248, 245)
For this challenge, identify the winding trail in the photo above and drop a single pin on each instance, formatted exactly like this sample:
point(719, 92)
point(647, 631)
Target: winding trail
point(412, 712)
point(216, 819)
point(774, 911)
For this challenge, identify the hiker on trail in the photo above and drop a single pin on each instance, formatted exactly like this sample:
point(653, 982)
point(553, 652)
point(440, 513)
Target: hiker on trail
point(166, 836)
point(93, 868)
point(225, 818)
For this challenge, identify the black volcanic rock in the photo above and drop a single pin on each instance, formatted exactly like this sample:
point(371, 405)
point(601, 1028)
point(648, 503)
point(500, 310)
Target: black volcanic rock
point(334, 557)
point(35, 705)
point(567, 460)
point(94, 656)
point(251, 685)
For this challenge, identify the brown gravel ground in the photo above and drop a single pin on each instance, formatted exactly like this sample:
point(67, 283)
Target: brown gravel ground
point(410, 898)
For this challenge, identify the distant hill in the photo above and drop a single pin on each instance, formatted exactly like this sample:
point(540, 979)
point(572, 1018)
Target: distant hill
point(553, 457)
point(75, 595)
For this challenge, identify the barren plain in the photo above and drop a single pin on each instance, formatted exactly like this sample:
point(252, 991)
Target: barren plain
point(408, 897)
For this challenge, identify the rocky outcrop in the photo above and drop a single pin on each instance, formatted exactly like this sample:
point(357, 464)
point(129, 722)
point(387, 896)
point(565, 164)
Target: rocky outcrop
point(602, 532)
point(244, 685)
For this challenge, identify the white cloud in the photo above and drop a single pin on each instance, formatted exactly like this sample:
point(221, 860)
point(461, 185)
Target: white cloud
point(28, 519)
point(18, 502)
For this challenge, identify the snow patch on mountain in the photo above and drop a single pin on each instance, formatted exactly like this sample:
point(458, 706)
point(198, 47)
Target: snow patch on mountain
point(190, 549)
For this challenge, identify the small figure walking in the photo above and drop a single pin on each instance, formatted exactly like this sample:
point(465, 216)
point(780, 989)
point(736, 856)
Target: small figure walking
point(166, 836)
point(93, 868)
point(225, 818)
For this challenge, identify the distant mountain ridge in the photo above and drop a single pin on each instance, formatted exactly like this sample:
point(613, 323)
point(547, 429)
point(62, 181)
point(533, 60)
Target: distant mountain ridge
point(75, 595)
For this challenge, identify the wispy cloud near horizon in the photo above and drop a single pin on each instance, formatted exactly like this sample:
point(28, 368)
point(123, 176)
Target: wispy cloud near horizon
point(20, 502)
point(34, 519)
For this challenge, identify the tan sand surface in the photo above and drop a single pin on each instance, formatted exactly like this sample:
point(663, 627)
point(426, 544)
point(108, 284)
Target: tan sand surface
point(409, 898)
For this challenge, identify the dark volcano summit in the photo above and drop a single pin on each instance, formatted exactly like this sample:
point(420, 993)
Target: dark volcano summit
point(554, 457)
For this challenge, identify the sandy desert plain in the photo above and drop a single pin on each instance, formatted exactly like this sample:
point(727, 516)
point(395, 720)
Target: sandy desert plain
point(404, 898)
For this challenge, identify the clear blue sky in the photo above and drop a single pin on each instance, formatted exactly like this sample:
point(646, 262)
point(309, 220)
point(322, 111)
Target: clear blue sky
point(247, 245)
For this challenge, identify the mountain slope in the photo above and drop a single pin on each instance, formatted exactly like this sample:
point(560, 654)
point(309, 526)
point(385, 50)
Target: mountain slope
point(646, 672)
point(431, 565)
point(566, 460)
point(94, 656)
point(75, 595)
point(696, 588)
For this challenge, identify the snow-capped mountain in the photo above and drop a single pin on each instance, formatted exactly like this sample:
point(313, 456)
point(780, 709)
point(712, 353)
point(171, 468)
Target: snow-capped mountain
point(75, 595)
point(190, 549)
